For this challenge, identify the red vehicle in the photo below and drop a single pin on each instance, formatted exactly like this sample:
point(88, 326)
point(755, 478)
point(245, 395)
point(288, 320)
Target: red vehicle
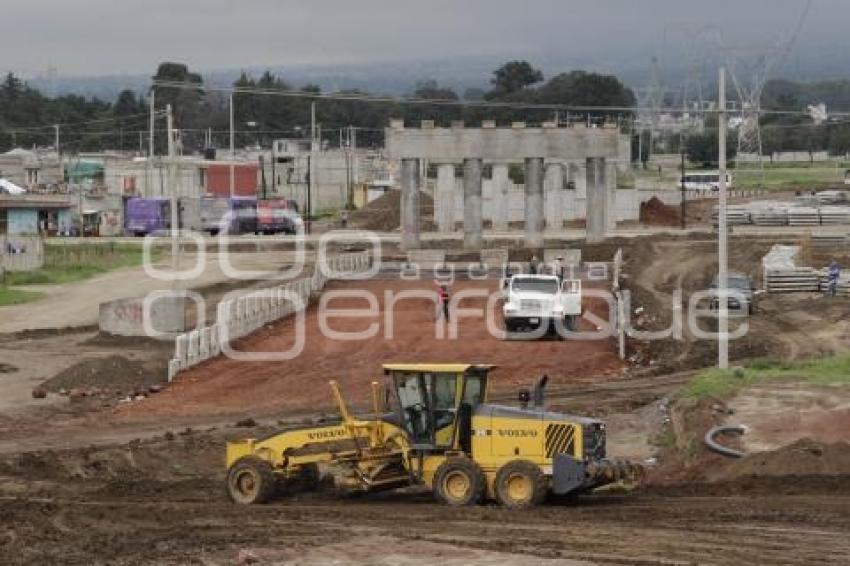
point(275, 216)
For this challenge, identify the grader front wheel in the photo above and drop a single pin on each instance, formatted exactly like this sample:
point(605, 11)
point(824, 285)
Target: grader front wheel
point(250, 480)
point(459, 481)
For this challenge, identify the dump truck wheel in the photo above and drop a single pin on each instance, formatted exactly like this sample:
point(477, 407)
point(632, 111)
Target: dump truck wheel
point(250, 480)
point(459, 481)
point(519, 484)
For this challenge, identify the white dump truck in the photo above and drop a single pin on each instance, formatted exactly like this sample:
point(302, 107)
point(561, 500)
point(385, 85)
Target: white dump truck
point(532, 301)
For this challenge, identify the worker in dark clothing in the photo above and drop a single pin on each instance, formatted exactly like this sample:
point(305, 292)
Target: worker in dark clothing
point(444, 301)
point(832, 277)
point(532, 267)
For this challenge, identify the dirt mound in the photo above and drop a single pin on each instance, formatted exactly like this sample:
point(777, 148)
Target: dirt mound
point(805, 457)
point(384, 213)
point(656, 213)
point(113, 372)
point(183, 455)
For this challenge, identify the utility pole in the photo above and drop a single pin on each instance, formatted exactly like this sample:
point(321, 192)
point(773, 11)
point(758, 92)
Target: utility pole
point(307, 219)
point(232, 147)
point(722, 259)
point(149, 168)
point(172, 190)
point(682, 182)
point(274, 177)
point(56, 145)
point(313, 133)
point(263, 175)
point(152, 126)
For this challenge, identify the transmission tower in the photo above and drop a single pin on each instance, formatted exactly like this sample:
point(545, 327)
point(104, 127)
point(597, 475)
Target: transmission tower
point(697, 43)
point(750, 67)
point(650, 101)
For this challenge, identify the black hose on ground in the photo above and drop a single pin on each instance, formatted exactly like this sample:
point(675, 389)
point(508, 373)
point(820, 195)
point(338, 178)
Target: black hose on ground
point(719, 448)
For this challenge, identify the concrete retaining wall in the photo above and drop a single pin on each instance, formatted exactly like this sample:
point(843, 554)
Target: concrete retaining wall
point(125, 317)
point(245, 314)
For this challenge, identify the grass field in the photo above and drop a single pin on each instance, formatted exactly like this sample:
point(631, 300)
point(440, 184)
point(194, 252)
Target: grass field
point(17, 296)
point(792, 176)
point(75, 262)
point(777, 176)
point(831, 370)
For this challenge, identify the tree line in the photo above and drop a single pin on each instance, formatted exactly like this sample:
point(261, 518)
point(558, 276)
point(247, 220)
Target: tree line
point(95, 124)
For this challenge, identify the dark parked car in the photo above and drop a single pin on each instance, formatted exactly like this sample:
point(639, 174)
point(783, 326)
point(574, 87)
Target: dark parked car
point(741, 289)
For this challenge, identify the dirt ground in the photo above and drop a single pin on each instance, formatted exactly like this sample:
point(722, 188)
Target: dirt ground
point(787, 326)
point(227, 386)
point(160, 502)
point(141, 482)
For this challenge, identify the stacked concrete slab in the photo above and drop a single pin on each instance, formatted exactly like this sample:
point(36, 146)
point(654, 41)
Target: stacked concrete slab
point(252, 310)
point(783, 275)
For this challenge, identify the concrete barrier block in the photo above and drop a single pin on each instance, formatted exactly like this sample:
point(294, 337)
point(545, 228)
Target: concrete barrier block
point(571, 256)
point(181, 348)
point(204, 343)
point(194, 346)
point(426, 259)
point(126, 317)
point(224, 311)
point(494, 259)
point(215, 347)
point(174, 367)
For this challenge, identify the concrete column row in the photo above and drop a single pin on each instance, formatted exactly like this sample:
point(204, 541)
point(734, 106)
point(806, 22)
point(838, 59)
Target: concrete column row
point(544, 200)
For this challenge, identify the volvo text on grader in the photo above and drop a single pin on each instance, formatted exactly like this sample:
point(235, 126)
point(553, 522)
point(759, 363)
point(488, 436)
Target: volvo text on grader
point(441, 433)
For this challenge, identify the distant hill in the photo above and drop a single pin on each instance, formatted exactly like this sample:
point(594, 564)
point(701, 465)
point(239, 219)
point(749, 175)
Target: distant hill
point(807, 64)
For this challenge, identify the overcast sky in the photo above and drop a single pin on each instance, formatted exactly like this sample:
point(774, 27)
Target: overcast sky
point(95, 37)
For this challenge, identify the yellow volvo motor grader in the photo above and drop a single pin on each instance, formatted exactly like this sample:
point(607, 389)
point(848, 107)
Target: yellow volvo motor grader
point(442, 433)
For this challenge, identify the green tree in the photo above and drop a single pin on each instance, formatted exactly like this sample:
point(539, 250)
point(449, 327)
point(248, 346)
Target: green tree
point(514, 76)
point(185, 102)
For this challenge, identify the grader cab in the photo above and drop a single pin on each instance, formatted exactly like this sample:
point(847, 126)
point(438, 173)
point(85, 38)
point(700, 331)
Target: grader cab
point(431, 425)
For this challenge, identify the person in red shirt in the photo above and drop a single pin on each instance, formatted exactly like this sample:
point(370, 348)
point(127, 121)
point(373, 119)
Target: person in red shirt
point(443, 294)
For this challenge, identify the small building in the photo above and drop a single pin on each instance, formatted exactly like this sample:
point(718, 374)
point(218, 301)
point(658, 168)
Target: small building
point(30, 168)
point(25, 215)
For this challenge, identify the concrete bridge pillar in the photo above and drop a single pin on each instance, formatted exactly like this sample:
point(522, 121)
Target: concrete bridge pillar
point(501, 197)
point(534, 202)
point(553, 189)
point(444, 205)
point(597, 200)
point(472, 205)
point(409, 204)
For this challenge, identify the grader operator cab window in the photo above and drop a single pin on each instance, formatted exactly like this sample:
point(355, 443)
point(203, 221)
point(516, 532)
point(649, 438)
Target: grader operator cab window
point(430, 403)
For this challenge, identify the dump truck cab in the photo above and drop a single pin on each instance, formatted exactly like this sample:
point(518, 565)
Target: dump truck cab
point(533, 301)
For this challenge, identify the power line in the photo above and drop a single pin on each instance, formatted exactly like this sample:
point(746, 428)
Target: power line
point(72, 124)
point(448, 102)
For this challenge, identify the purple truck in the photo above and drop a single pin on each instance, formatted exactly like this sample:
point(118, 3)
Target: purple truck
point(147, 216)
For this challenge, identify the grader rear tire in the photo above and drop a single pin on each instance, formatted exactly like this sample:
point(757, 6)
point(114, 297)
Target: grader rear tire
point(251, 480)
point(459, 481)
point(520, 484)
